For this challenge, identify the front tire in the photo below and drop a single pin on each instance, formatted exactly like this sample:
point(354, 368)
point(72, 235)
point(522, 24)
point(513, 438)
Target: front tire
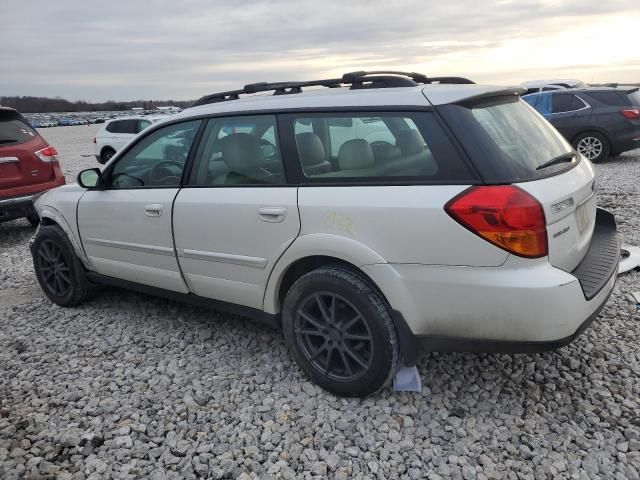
point(592, 145)
point(58, 270)
point(340, 331)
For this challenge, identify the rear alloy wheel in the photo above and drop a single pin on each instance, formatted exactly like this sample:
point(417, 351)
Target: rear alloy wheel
point(340, 332)
point(592, 145)
point(58, 270)
point(106, 155)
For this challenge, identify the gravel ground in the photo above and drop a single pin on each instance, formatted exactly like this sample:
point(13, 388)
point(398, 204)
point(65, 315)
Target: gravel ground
point(130, 386)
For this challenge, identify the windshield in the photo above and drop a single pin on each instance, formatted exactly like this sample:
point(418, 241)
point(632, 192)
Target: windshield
point(508, 140)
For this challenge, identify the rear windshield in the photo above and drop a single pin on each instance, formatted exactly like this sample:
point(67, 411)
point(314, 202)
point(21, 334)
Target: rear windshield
point(507, 140)
point(635, 98)
point(13, 132)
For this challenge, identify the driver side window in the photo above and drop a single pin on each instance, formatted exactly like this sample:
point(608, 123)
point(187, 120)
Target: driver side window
point(157, 160)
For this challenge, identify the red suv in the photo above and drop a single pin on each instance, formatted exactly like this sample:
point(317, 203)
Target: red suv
point(28, 166)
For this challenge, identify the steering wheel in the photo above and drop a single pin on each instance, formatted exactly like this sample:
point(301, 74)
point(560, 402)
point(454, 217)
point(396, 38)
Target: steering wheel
point(158, 173)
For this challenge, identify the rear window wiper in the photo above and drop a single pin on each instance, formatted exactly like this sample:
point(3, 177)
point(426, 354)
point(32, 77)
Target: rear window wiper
point(565, 157)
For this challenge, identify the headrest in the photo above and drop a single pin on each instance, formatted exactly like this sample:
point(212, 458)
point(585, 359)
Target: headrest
point(410, 142)
point(355, 154)
point(241, 152)
point(383, 151)
point(310, 149)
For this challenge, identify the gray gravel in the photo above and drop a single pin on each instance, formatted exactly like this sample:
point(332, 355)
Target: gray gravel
point(130, 386)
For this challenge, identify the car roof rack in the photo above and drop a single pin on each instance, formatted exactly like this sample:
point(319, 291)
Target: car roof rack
point(355, 80)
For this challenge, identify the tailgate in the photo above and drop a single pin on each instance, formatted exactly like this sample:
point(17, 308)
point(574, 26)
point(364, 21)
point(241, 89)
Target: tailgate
point(20, 167)
point(569, 203)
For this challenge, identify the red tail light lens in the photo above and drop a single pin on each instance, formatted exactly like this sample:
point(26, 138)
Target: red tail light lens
point(504, 215)
point(631, 113)
point(48, 154)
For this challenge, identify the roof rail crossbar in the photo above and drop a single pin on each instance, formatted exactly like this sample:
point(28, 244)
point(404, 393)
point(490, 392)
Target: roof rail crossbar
point(357, 80)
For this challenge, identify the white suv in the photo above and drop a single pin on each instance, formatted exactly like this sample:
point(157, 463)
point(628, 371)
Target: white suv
point(386, 214)
point(115, 134)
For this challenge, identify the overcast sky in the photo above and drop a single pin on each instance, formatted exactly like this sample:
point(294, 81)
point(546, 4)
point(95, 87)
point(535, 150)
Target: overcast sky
point(182, 49)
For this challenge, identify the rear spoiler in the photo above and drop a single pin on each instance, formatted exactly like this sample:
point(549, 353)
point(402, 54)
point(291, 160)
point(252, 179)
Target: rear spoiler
point(505, 92)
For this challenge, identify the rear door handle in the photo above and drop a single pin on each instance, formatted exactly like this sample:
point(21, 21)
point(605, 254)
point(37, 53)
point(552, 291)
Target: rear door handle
point(272, 214)
point(153, 210)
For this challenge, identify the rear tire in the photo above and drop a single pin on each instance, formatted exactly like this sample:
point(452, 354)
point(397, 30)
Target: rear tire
point(58, 270)
point(593, 145)
point(340, 331)
point(106, 155)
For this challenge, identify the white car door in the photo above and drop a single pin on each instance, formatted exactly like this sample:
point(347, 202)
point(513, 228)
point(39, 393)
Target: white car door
point(125, 224)
point(236, 216)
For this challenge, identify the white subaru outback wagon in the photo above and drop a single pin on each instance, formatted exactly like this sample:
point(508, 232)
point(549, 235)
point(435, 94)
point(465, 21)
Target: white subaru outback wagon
point(372, 216)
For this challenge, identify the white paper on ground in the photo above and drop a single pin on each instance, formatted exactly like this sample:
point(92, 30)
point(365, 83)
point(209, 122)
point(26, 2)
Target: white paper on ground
point(407, 379)
point(630, 259)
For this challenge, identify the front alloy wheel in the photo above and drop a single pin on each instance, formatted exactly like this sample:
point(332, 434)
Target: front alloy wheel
point(54, 266)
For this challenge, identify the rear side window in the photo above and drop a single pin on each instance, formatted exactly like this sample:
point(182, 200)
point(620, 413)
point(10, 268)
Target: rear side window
point(506, 140)
point(13, 132)
point(142, 124)
point(565, 102)
point(123, 126)
point(360, 147)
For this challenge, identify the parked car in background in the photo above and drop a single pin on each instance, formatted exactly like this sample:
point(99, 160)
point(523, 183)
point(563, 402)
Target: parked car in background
point(535, 86)
point(598, 121)
point(28, 167)
point(115, 134)
point(387, 213)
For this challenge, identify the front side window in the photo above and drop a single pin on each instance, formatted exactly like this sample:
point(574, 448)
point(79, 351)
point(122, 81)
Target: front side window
point(156, 160)
point(361, 146)
point(239, 151)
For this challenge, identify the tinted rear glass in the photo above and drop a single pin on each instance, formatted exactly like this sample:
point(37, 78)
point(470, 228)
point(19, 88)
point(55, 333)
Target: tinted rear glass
point(565, 102)
point(507, 140)
point(13, 132)
point(634, 97)
point(123, 126)
point(614, 99)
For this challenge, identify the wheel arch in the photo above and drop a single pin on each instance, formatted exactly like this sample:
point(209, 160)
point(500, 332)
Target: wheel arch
point(312, 251)
point(51, 216)
point(592, 129)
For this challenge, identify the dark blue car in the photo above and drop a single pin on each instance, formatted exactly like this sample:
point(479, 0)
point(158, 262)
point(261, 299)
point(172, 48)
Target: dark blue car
point(598, 121)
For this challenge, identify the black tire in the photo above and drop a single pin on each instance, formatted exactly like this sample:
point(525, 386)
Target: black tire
point(33, 219)
point(51, 246)
point(106, 154)
point(349, 365)
point(593, 145)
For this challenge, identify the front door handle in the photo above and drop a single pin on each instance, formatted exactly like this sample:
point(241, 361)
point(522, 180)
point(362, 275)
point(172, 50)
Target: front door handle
point(272, 214)
point(153, 210)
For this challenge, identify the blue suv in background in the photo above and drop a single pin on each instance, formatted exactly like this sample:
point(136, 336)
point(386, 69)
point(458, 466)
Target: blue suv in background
point(598, 121)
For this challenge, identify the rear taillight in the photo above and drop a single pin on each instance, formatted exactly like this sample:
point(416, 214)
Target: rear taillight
point(48, 154)
point(630, 113)
point(505, 215)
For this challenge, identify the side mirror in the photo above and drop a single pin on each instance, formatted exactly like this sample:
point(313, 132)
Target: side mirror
point(89, 178)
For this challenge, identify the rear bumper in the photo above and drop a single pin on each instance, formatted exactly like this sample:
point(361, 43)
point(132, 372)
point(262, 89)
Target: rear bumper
point(521, 306)
point(18, 202)
point(625, 142)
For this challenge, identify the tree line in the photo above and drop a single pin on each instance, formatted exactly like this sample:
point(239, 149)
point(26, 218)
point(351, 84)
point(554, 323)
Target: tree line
point(51, 105)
